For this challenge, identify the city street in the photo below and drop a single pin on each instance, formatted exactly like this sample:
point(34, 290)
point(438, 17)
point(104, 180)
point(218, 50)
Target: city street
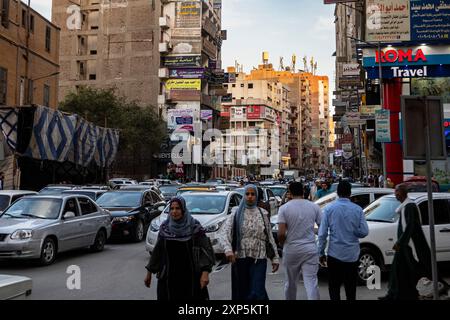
point(118, 273)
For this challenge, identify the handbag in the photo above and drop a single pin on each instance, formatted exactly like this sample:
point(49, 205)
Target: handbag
point(270, 252)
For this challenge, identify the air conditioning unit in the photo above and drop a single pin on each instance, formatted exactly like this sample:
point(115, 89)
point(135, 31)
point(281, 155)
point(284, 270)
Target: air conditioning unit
point(161, 99)
point(164, 22)
point(165, 47)
point(163, 73)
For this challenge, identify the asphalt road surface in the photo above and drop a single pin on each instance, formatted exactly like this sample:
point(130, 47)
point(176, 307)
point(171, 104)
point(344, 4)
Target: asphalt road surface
point(118, 273)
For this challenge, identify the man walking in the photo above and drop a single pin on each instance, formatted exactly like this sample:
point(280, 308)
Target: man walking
point(344, 223)
point(324, 191)
point(296, 231)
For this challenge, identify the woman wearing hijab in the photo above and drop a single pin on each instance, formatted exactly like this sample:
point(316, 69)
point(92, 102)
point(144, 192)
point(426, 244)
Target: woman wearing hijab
point(182, 258)
point(247, 241)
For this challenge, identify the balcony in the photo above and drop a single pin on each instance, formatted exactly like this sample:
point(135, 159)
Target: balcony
point(165, 47)
point(163, 73)
point(164, 22)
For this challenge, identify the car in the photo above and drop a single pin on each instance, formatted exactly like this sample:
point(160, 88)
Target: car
point(9, 196)
point(15, 287)
point(211, 209)
point(138, 187)
point(215, 181)
point(333, 187)
point(162, 182)
point(95, 187)
point(91, 193)
point(271, 204)
point(131, 211)
point(56, 189)
point(40, 227)
point(376, 248)
point(119, 181)
point(195, 188)
point(278, 190)
point(361, 196)
point(419, 184)
point(169, 191)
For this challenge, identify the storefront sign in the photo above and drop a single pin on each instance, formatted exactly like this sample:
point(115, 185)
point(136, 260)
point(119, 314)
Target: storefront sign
point(383, 125)
point(185, 95)
point(187, 73)
point(410, 72)
point(400, 56)
point(180, 119)
point(183, 61)
point(351, 69)
point(254, 112)
point(237, 113)
point(430, 20)
point(184, 84)
point(206, 115)
point(368, 112)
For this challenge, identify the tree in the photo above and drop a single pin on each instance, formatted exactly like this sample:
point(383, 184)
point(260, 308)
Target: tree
point(141, 129)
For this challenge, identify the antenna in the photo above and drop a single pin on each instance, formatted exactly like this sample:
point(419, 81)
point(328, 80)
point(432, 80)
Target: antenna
point(294, 62)
point(281, 64)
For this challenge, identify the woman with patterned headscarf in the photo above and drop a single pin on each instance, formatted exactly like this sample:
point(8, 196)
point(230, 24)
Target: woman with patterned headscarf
point(248, 242)
point(182, 258)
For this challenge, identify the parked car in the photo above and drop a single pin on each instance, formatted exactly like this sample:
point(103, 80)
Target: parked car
point(14, 287)
point(95, 187)
point(361, 196)
point(195, 188)
point(9, 196)
point(419, 184)
point(138, 187)
point(271, 204)
point(119, 181)
point(39, 227)
point(333, 187)
point(56, 189)
point(91, 193)
point(211, 209)
point(215, 181)
point(376, 248)
point(278, 190)
point(169, 191)
point(132, 211)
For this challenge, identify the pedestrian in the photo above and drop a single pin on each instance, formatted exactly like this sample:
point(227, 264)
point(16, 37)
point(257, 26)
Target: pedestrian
point(377, 181)
point(323, 191)
point(296, 221)
point(315, 187)
point(182, 258)
point(343, 222)
point(306, 191)
point(2, 180)
point(247, 241)
point(412, 259)
point(370, 180)
point(381, 181)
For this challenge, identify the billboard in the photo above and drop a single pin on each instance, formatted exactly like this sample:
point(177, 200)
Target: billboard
point(183, 61)
point(185, 95)
point(206, 115)
point(351, 69)
point(383, 125)
point(184, 84)
point(186, 73)
point(188, 14)
point(187, 29)
point(178, 119)
point(255, 112)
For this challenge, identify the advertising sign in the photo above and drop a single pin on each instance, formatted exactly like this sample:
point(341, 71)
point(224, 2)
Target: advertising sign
point(186, 73)
point(188, 14)
point(206, 115)
point(237, 113)
point(368, 112)
point(185, 95)
point(180, 119)
point(186, 84)
point(254, 112)
point(351, 69)
point(430, 20)
point(383, 125)
point(183, 61)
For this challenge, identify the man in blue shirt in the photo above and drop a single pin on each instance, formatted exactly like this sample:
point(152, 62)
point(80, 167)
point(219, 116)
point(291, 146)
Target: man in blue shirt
point(343, 222)
point(324, 191)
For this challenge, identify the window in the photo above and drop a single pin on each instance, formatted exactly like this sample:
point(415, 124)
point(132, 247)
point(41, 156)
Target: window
point(441, 212)
point(3, 85)
point(233, 85)
point(87, 207)
point(24, 18)
point(148, 199)
point(250, 85)
point(71, 206)
point(31, 23)
point(362, 200)
point(92, 77)
point(379, 195)
point(5, 13)
point(46, 95)
point(48, 35)
point(225, 85)
point(242, 85)
point(93, 52)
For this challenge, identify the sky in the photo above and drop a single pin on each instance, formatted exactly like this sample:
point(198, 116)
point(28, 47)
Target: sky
point(281, 27)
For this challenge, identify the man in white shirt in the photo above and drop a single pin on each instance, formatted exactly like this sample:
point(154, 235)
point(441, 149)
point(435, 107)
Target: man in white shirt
point(296, 221)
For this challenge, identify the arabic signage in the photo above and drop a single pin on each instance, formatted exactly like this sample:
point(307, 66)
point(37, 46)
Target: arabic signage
point(187, 73)
point(180, 119)
point(186, 84)
point(185, 95)
point(237, 113)
point(351, 69)
point(350, 82)
point(183, 61)
point(206, 115)
point(368, 112)
point(408, 20)
point(255, 112)
point(383, 125)
point(188, 14)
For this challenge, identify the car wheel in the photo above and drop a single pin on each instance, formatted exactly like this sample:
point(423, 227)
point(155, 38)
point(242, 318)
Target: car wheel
point(48, 252)
point(99, 243)
point(367, 258)
point(138, 233)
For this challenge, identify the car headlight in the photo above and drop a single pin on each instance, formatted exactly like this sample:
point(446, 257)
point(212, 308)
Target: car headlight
point(214, 227)
point(154, 226)
point(122, 219)
point(22, 234)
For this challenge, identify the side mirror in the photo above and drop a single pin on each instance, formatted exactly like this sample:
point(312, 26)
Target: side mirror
point(69, 215)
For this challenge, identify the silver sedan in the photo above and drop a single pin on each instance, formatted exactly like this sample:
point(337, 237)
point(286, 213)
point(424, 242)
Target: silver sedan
point(39, 227)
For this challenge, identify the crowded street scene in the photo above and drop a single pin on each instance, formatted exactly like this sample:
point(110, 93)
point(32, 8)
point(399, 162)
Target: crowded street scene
point(230, 150)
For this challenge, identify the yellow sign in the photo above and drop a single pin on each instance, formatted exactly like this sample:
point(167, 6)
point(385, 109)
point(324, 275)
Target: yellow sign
point(186, 84)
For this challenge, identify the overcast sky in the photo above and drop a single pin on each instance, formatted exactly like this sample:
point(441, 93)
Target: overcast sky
point(281, 27)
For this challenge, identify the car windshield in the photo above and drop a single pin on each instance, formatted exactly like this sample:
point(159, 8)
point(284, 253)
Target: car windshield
point(4, 202)
point(52, 191)
point(168, 189)
point(382, 210)
point(278, 191)
point(34, 208)
point(120, 199)
point(201, 204)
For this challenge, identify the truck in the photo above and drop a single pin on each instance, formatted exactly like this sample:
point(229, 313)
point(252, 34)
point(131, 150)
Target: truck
point(291, 174)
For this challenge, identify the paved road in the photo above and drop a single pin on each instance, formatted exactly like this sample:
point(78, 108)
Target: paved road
point(117, 273)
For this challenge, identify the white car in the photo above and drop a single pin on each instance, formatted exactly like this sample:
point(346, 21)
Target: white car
point(360, 196)
point(211, 209)
point(376, 248)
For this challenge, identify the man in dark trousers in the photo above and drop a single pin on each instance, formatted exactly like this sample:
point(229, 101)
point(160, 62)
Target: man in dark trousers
point(412, 259)
point(343, 222)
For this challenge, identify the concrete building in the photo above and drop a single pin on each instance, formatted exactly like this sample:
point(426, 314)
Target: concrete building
point(110, 44)
point(29, 63)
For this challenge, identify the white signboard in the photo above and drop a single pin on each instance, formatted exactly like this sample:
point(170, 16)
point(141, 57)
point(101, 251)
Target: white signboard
point(180, 119)
point(351, 69)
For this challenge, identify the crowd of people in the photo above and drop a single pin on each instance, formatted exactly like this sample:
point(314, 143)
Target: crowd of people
point(183, 256)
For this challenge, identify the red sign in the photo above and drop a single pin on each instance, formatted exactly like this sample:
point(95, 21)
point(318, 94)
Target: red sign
point(400, 56)
point(254, 112)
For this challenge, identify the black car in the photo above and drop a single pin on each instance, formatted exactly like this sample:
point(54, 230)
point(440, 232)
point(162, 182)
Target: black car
point(169, 191)
point(132, 212)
